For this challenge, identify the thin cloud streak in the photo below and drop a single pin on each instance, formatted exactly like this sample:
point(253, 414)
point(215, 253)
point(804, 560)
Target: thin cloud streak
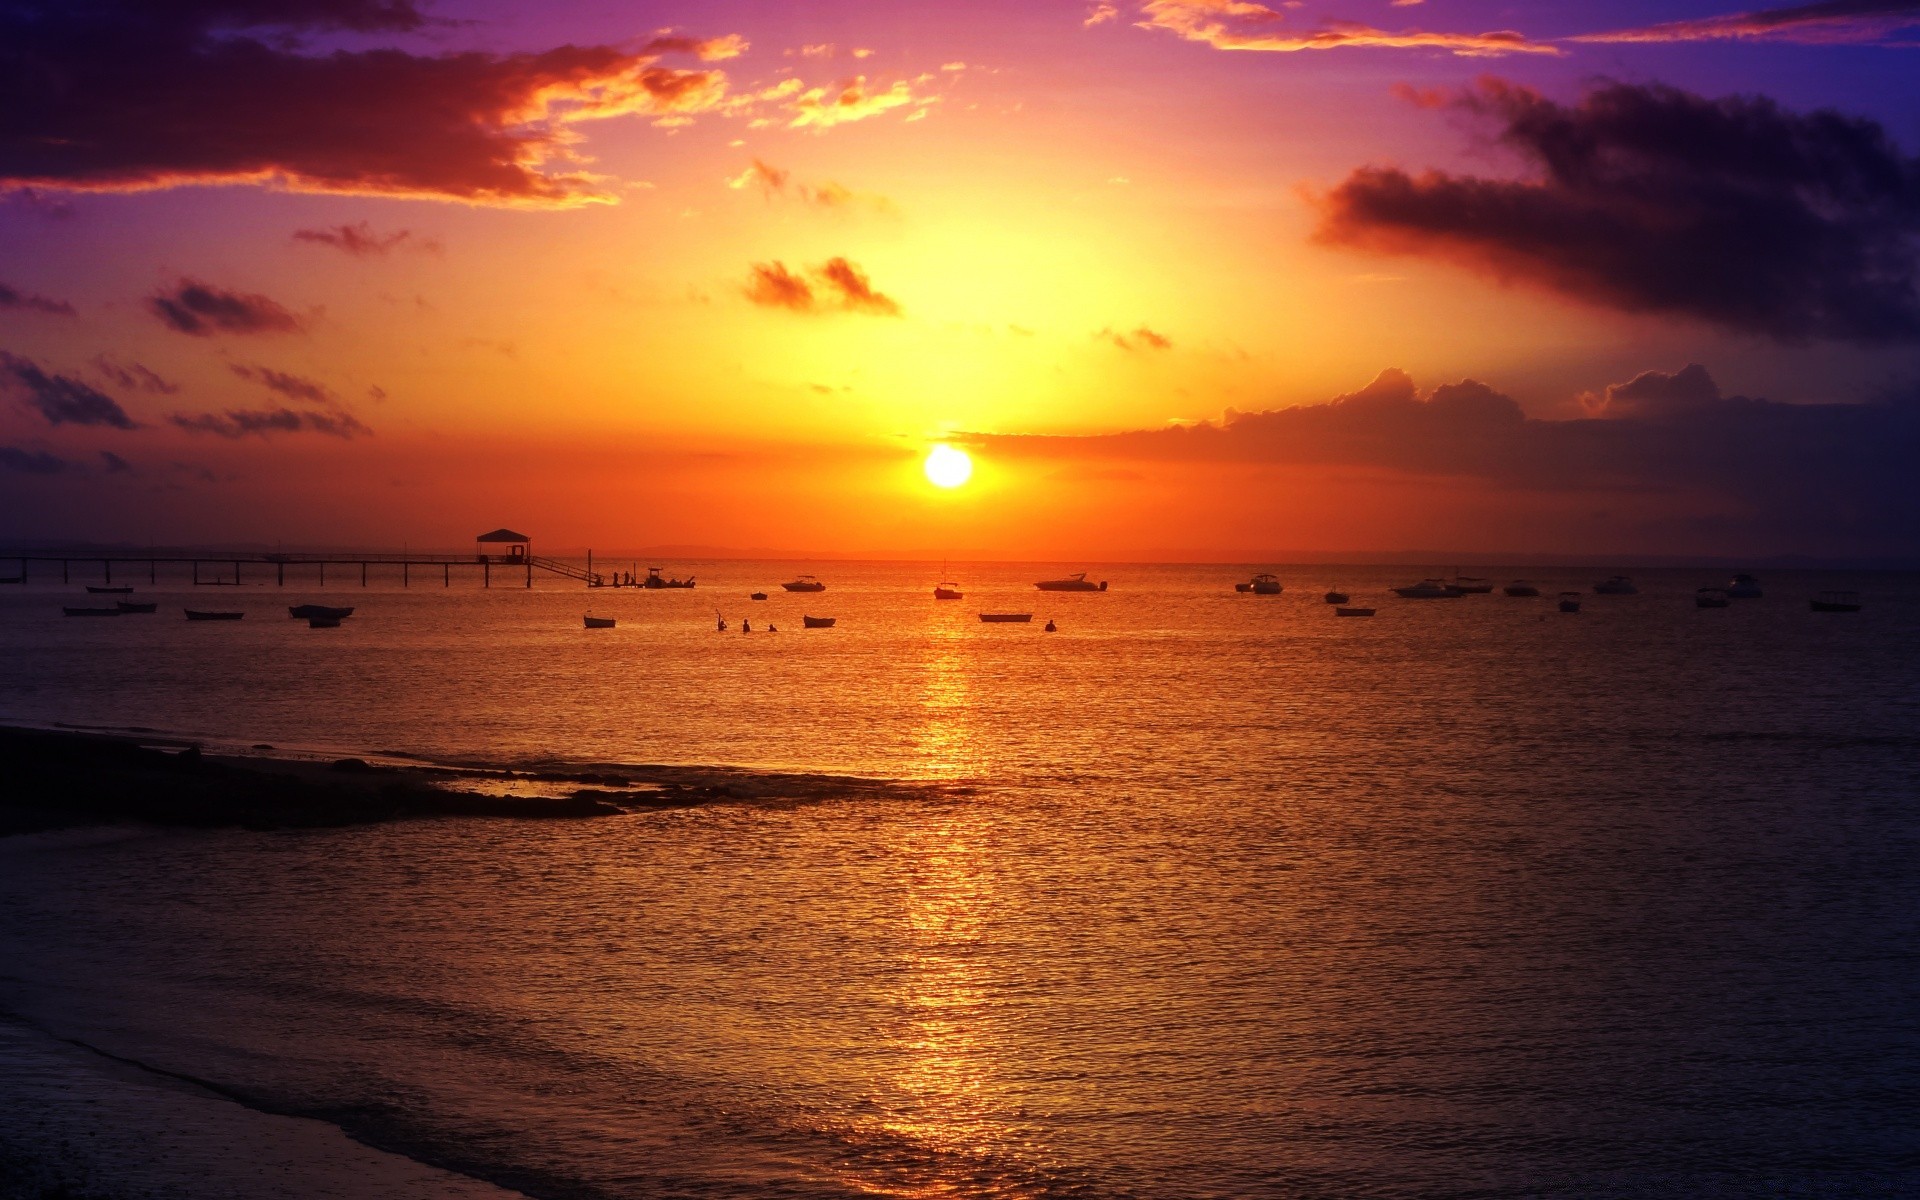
point(1834, 22)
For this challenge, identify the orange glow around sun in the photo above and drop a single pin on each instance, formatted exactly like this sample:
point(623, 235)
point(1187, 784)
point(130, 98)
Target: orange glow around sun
point(947, 467)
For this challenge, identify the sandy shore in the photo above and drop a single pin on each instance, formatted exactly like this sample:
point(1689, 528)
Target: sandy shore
point(81, 1126)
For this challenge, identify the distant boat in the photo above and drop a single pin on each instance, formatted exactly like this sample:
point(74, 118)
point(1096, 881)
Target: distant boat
point(1744, 587)
point(1619, 585)
point(1472, 585)
point(1267, 585)
point(1006, 618)
point(806, 583)
point(1521, 587)
point(307, 612)
point(656, 580)
point(110, 591)
point(124, 607)
point(323, 622)
point(1077, 582)
point(1570, 602)
point(91, 612)
point(1836, 602)
point(947, 591)
point(758, 596)
point(1344, 611)
point(1428, 589)
point(1336, 597)
point(818, 622)
point(594, 622)
point(1243, 587)
point(197, 615)
point(1711, 598)
point(1052, 628)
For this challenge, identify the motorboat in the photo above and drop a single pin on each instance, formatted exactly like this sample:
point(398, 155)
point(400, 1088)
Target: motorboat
point(90, 612)
point(655, 580)
point(947, 591)
point(1570, 602)
point(758, 596)
point(110, 591)
point(1052, 628)
point(1836, 602)
point(1077, 582)
point(1472, 585)
point(307, 612)
point(594, 622)
point(194, 614)
point(1344, 611)
point(1744, 587)
point(1243, 587)
point(818, 622)
point(1336, 597)
point(1006, 618)
point(1267, 585)
point(125, 607)
point(806, 583)
point(323, 622)
point(1619, 585)
point(1521, 587)
point(1429, 589)
point(1711, 598)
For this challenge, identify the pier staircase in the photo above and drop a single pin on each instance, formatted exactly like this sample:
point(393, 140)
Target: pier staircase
point(570, 570)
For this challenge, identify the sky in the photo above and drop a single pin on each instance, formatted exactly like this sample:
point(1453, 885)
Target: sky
point(1193, 279)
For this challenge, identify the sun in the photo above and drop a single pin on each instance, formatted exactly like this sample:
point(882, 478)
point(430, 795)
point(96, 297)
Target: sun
point(947, 467)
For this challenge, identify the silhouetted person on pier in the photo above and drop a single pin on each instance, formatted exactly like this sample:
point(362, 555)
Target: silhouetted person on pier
point(723, 623)
point(746, 627)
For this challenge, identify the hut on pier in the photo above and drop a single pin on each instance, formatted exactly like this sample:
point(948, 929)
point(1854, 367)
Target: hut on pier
point(504, 546)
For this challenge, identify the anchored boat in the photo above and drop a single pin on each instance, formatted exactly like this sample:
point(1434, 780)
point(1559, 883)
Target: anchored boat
point(1006, 618)
point(806, 583)
point(194, 614)
point(818, 622)
point(307, 612)
point(1077, 582)
point(1429, 589)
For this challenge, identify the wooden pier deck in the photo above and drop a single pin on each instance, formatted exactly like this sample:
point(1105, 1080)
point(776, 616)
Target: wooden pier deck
point(213, 568)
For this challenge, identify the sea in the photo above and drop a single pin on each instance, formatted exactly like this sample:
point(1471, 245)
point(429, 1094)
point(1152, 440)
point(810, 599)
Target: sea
point(1203, 895)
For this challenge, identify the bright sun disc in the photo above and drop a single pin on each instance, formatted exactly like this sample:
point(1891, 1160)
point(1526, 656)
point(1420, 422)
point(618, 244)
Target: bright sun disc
point(947, 467)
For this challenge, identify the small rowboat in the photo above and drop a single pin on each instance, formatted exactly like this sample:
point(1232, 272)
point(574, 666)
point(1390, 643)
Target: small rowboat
point(307, 612)
point(124, 607)
point(197, 615)
point(594, 622)
point(1336, 597)
point(1569, 602)
point(1006, 618)
point(818, 622)
point(91, 612)
point(758, 596)
point(110, 591)
point(1344, 611)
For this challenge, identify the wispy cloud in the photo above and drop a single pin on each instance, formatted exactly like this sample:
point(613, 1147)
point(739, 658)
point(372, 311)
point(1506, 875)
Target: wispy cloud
point(777, 182)
point(1142, 338)
point(1240, 25)
point(293, 387)
point(360, 240)
point(202, 310)
point(134, 377)
point(61, 399)
point(241, 423)
point(1836, 21)
point(834, 285)
point(18, 301)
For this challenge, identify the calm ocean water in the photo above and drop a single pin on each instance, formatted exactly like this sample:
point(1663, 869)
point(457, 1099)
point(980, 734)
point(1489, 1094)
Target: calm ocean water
point(1206, 895)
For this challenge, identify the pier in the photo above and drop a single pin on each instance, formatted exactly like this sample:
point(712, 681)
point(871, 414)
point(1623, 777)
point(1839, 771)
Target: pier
point(502, 550)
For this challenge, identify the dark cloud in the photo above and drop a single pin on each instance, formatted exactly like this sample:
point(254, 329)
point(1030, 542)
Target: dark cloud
point(12, 298)
point(1649, 199)
point(1808, 476)
point(124, 95)
point(1834, 21)
point(32, 462)
point(202, 310)
point(115, 464)
point(240, 423)
point(61, 399)
point(360, 240)
point(134, 377)
point(835, 284)
point(293, 387)
point(1142, 338)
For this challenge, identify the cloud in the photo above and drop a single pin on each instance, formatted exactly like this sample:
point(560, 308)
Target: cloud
point(11, 298)
point(1142, 338)
point(128, 95)
point(202, 310)
point(240, 423)
point(770, 180)
point(32, 462)
point(115, 464)
point(360, 240)
point(1833, 477)
point(61, 399)
point(716, 49)
point(1238, 25)
point(1832, 22)
point(849, 100)
point(133, 376)
point(774, 182)
point(833, 284)
point(1099, 14)
point(1649, 199)
point(293, 387)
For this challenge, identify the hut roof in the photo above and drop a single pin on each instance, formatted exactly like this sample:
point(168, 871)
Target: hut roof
point(503, 535)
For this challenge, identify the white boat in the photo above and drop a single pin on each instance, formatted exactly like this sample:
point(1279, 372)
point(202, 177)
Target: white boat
point(1077, 582)
point(1521, 587)
point(1429, 589)
point(1267, 585)
point(1619, 585)
point(806, 583)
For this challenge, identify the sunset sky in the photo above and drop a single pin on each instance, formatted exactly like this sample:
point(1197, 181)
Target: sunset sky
point(1194, 278)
